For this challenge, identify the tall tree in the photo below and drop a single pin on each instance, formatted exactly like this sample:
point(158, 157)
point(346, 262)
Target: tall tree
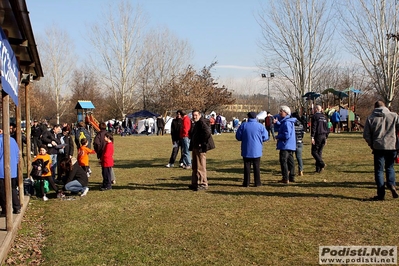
point(117, 41)
point(165, 56)
point(58, 61)
point(371, 30)
point(296, 40)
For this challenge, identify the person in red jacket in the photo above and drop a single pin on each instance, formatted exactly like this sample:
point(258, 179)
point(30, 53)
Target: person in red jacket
point(185, 140)
point(107, 162)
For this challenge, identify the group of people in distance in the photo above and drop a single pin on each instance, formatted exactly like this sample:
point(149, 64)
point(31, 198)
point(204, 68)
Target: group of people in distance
point(290, 133)
point(56, 154)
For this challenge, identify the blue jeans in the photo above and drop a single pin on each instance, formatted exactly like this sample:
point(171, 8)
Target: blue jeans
point(75, 186)
point(298, 155)
point(186, 151)
point(53, 164)
point(384, 160)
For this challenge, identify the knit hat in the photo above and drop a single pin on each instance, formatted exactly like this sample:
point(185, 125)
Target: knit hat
point(286, 109)
point(251, 115)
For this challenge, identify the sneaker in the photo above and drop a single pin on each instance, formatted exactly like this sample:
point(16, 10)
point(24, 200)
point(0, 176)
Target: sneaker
point(45, 198)
point(18, 211)
point(187, 167)
point(199, 188)
point(105, 188)
point(85, 192)
point(284, 181)
point(113, 182)
point(300, 173)
point(181, 164)
point(60, 195)
point(169, 165)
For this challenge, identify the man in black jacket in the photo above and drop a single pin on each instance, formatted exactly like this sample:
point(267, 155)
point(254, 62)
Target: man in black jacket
point(52, 140)
point(176, 143)
point(319, 134)
point(201, 141)
point(36, 133)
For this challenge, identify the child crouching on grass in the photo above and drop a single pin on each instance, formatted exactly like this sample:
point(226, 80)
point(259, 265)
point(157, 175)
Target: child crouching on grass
point(107, 162)
point(83, 156)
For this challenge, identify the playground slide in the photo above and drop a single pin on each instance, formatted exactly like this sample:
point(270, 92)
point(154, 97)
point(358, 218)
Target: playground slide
point(93, 122)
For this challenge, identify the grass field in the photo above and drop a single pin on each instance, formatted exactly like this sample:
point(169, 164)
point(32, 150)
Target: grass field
point(150, 217)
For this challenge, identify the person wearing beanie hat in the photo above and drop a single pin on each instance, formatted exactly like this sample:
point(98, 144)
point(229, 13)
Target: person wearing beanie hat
point(252, 134)
point(286, 143)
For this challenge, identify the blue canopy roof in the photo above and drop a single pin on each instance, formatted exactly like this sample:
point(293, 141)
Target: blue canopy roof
point(142, 113)
point(84, 105)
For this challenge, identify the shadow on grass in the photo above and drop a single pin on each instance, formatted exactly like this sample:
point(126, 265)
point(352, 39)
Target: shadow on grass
point(283, 194)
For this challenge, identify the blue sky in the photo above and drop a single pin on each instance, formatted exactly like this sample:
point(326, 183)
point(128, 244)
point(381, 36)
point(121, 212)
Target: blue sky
point(221, 30)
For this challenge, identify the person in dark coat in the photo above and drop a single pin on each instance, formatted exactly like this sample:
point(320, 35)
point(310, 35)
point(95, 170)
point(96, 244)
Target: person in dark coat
point(176, 143)
point(67, 151)
point(99, 142)
point(160, 125)
point(51, 139)
point(36, 133)
point(76, 178)
point(201, 141)
point(252, 134)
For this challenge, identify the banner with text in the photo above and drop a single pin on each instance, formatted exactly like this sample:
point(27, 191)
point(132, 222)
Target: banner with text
point(8, 68)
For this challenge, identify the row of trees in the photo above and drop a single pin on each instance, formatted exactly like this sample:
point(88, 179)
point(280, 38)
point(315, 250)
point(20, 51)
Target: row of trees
point(301, 38)
point(128, 68)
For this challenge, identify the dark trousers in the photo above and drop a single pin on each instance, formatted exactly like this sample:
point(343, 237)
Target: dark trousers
point(218, 128)
point(270, 130)
point(213, 127)
point(160, 131)
point(287, 165)
point(317, 151)
point(107, 177)
point(14, 194)
point(247, 171)
point(175, 151)
point(36, 143)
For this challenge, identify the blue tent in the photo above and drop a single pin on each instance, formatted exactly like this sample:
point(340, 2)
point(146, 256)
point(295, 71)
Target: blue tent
point(142, 113)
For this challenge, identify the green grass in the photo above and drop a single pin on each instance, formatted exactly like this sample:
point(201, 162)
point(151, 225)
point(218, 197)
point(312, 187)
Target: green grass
point(151, 218)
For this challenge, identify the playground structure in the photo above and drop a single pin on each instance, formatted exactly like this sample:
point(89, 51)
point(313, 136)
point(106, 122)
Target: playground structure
point(85, 110)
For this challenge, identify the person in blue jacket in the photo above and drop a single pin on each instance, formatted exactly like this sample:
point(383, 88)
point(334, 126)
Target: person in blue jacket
point(14, 159)
point(286, 143)
point(252, 134)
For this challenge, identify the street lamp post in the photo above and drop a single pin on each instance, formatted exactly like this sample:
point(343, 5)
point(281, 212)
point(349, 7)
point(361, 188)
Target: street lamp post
point(268, 89)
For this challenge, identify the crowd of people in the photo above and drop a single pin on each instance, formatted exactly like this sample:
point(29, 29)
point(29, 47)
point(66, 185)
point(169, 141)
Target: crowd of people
point(54, 162)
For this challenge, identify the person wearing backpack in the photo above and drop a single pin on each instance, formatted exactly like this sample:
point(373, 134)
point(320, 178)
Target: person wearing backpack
point(82, 133)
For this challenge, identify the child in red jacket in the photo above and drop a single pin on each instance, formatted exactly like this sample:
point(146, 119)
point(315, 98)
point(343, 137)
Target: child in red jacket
point(107, 162)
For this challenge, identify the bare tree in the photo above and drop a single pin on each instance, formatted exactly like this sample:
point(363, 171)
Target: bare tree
point(117, 41)
point(164, 57)
point(372, 34)
point(296, 41)
point(58, 61)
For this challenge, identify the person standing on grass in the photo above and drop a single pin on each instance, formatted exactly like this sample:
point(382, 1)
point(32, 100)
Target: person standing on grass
point(14, 160)
point(252, 134)
point(270, 125)
point(201, 142)
point(107, 162)
point(176, 143)
point(184, 136)
point(319, 133)
point(380, 133)
point(299, 133)
point(83, 156)
point(286, 143)
point(99, 142)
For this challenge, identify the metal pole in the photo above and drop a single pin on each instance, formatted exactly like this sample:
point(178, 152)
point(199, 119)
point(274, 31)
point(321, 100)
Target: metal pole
point(268, 95)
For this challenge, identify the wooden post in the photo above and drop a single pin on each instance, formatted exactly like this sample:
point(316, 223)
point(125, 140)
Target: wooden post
point(7, 161)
